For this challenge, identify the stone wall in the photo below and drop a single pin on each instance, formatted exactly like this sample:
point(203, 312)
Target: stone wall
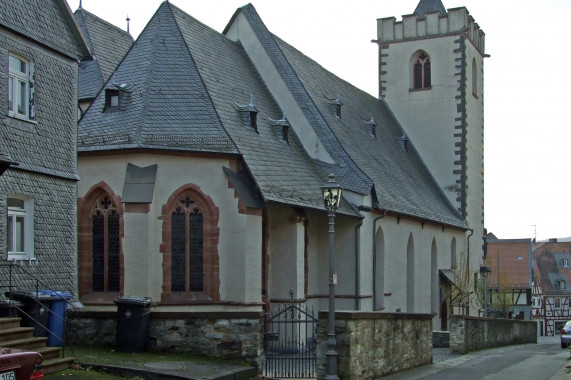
point(472, 333)
point(371, 345)
point(225, 335)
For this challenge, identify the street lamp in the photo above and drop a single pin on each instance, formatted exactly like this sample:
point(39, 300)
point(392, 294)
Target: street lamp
point(484, 271)
point(331, 197)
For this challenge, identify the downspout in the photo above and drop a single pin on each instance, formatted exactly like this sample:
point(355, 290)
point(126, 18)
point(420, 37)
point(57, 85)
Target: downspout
point(468, 265)
point(357, 263)
point(375, 259)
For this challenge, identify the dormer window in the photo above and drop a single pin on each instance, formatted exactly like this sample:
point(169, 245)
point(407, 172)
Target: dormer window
point(254, 120)
point(372, 127)
point(249, 114)
point(335, 104)
point(117, 96)
point(281, 127)
point(561, 284)
point(403, 141)
point(565, 263)
point(111, 98)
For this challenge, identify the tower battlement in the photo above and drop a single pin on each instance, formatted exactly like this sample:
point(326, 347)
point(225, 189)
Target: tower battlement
point(455, 21)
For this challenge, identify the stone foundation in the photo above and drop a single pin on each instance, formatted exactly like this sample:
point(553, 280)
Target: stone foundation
point(224, 335)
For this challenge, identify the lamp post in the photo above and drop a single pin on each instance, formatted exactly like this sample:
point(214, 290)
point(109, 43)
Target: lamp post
point(331, 197)
point(484, 271)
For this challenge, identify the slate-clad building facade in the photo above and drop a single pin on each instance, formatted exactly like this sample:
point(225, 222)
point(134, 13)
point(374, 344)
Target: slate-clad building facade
point(201, 161)
point(38, 137)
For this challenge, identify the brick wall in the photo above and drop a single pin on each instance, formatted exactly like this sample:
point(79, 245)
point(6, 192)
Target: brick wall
point(472, 333)
point(371, 345)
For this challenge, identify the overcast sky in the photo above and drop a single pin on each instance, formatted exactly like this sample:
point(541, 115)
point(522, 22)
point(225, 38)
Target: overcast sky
point(527, 85)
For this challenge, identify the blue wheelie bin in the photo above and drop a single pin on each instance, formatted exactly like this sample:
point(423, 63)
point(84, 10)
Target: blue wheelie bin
point(57, 316)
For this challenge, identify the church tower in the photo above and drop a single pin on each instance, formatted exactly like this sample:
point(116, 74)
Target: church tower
point(431, 74)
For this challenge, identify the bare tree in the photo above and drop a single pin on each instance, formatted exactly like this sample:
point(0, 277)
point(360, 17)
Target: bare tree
point(458, 293)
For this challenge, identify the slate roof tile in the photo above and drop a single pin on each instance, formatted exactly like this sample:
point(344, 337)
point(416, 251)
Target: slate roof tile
point(48, 22)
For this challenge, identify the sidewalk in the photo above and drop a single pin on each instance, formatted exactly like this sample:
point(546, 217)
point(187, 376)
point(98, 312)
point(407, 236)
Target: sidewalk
point(153, 365)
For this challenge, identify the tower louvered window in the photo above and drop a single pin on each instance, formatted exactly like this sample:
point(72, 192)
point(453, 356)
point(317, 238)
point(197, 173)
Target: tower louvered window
point(105, 246)
point(422, 71)
point(187, 247)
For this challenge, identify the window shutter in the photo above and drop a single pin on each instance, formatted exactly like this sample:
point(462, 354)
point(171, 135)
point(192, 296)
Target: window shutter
point(427, 79)
point(32, 90)
point(418, 75)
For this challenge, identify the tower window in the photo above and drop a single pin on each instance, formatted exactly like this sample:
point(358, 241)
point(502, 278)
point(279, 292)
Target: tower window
point(421, 71)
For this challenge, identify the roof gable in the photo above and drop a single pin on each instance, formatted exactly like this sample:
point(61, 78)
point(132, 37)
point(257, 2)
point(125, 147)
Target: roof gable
point(509, 258)
point(108, 45)
point(163, 101)
point(550, 267)
point(49, 22)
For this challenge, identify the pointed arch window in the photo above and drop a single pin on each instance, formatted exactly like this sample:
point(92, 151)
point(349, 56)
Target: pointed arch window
point(421, 70)
point(187, 225)
point(105, 246)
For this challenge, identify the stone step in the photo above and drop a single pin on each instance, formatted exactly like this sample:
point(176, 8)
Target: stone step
point(56, 364)
point(49, 352)
point(25, 343)
point(9, 323)
point(16, 333)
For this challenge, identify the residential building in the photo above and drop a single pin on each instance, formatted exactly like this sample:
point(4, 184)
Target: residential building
point(510, 280)
point(38, 139)
point(551, 289)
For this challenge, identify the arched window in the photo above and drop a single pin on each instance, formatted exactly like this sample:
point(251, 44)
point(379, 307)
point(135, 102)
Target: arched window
point(190, 247)
point(421, 71)
point(100, 256)
point(187, 229)
point(410, 275)
point(105, 246)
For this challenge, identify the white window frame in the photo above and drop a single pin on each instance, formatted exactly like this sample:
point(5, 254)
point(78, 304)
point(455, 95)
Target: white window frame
point(27, 213)
point(19, 87)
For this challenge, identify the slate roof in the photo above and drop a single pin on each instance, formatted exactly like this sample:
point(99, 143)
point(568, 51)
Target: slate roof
point(189, 89)
point(429, 6)
point(108, 45)
point(549, 267)
point(47, 22)
point(509, 257)
point(399, 180)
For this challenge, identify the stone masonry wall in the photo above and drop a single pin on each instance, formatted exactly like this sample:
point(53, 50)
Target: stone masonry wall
point(371, 345)
point(231, 335)
point(472, 333)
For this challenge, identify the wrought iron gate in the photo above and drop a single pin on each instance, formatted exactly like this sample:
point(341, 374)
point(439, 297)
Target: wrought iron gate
point(290, 341)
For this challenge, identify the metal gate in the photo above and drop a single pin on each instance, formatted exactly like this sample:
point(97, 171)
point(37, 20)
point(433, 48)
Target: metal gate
point(290, 341)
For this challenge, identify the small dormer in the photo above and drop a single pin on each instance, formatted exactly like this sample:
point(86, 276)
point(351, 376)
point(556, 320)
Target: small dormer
point(117, 96)
point(403, 141)
point(371, 126)
point(281, 127)
point(249, 114)
point(335, 105)
point(561, 284)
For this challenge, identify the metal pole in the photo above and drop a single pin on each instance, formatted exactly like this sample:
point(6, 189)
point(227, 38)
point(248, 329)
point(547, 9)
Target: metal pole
point(331, 343)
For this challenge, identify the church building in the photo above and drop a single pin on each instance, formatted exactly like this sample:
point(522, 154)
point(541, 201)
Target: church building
point(203, 156)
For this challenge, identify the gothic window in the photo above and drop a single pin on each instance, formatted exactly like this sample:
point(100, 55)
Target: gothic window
point(187, 247)
point(421, 71)
point(105, 246)
point(190, 247)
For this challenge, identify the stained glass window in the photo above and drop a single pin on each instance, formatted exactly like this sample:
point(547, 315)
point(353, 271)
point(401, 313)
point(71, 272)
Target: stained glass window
point(105, 246)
